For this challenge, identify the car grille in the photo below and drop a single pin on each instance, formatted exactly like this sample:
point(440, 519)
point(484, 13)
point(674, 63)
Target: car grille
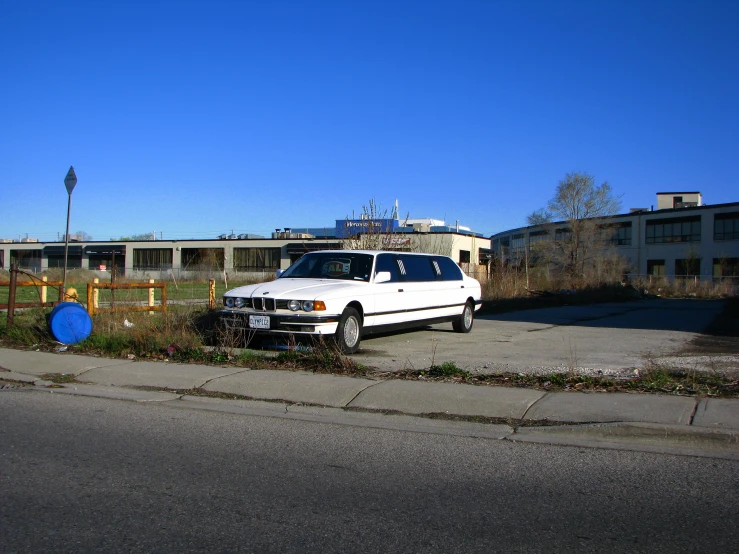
point(263, 304)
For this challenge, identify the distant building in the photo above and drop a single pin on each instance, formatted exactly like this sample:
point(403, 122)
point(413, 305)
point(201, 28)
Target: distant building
point(682, 237)
point(667, 200)
point(242, 253)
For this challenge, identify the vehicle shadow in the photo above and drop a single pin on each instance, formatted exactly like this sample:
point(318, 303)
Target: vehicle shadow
point(687, 315)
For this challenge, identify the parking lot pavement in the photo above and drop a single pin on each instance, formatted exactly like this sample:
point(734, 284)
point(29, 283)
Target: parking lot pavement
point(611, 338)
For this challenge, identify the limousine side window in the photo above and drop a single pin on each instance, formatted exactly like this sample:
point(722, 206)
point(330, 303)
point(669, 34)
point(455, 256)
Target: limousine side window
point(449, 270)
point(387, 262)
point(417, 268)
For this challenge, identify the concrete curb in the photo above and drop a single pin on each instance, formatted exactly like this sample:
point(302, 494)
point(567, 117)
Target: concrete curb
point(415, 397)
point(644, 437)
point(652, 423)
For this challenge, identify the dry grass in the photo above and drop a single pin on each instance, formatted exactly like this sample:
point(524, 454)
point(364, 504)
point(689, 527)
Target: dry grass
point(685, 288)
point(513, 283)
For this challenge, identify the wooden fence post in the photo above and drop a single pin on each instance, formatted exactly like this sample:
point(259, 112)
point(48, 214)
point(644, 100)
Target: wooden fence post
point(43, 289)
point(151, 296)
point(212, 294)
point(91, 302)
point(95, 293)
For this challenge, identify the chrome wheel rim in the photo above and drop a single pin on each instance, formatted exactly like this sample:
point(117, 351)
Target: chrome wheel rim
point(351, 331)
point(467, 317)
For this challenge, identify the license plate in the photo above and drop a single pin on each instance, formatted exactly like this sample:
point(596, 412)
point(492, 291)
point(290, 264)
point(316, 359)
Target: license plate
point(259, 321)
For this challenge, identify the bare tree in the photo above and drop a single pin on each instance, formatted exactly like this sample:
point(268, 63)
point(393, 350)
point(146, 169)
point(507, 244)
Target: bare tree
point(367, 232)
point(578, 237)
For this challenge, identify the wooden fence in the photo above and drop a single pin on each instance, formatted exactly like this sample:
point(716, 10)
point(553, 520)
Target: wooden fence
point(150, 306)
point(13, 285)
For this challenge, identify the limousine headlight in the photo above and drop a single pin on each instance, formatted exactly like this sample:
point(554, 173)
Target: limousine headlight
point(305, 305)
point(231, 302)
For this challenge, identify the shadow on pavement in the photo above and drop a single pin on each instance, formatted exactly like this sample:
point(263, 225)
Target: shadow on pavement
point(686, 315)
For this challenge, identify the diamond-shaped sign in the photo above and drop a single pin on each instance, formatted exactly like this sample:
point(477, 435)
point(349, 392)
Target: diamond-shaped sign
point(70, 180)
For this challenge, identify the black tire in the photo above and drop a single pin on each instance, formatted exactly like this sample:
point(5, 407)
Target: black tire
point(463, 324)
point(349, 331)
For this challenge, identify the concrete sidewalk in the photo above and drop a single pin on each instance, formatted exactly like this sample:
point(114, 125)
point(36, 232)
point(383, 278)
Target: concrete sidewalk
point(590, 415)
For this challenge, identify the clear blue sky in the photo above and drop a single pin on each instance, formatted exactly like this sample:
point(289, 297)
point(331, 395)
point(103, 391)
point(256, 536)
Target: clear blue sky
point(195, 118)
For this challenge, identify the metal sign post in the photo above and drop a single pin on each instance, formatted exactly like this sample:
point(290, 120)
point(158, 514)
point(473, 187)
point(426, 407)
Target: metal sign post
point(69, 181)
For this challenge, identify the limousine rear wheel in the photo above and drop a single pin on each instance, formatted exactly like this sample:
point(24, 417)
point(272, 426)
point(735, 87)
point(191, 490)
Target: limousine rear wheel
point(464, 323)
point(349, 331)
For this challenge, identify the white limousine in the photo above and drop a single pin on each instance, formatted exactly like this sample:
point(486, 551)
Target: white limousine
point(352, 293)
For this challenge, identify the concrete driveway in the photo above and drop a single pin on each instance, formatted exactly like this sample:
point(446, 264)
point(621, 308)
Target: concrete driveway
point(612, 339)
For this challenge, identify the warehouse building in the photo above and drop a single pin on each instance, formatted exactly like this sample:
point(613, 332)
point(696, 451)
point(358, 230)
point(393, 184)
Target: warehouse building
point(233, 253)
point(682, 237)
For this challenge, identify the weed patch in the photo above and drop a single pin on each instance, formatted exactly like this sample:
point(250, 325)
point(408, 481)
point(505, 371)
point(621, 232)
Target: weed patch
point(679, 381)
point(657, 380)
point(60, 378)
point(447, 369)
point(30, 328)
point(321, 357)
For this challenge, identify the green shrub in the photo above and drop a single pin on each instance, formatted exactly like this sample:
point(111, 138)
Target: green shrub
point(447, 369)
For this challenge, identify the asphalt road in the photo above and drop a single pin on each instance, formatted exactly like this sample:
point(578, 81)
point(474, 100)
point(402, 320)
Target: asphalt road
point(612, 339)
point(83, 474)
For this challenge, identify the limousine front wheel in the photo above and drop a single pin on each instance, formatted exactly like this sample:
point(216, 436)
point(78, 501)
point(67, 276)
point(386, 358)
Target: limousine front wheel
point(349, 331)
point(464, 323)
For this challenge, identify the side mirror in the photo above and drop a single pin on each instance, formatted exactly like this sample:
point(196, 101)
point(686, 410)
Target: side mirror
point(279, 272)
point(382, 277)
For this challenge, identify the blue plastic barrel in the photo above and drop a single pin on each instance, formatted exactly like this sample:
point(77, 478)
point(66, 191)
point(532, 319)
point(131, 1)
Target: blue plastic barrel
point(70, 323)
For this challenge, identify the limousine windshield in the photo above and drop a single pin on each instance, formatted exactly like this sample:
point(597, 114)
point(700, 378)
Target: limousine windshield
point(325, 265)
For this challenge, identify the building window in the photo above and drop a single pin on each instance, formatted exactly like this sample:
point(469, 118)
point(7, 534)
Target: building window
point(684, 229)
point(464, 256)
point(246, 259)
point(106, 261)
point(726, 267)
point(56, 261)
point(27, 259)
point(726, 226)
point(621, 234)
point(538, 236)
point(152, 258)
point(563, 235)
point(202, 258)
point(655, 267)
point(688, 267)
